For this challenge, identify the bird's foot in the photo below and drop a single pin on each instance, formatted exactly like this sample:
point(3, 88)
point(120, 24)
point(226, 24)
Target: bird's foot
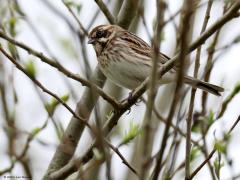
point(131, 96)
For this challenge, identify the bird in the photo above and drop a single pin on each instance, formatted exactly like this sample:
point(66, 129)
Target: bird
point(126, 59)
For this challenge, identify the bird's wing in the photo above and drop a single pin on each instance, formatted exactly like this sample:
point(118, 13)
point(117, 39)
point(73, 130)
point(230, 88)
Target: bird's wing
point(141, 47)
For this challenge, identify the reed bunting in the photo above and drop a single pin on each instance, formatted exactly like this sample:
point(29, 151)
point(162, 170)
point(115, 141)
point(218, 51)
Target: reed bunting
point(126, 59)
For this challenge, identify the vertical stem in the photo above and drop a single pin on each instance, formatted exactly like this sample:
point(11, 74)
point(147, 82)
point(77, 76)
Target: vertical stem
point(193, 92)
point(146, 153)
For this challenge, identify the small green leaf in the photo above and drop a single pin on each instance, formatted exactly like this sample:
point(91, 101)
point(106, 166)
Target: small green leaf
point(30, 69)
point(226, 137)
point(194, 153)
point(68, 2)
point(12, 22)
point(51, 106)
point(220, 146)
point(209, 120)
point(196, 127)
point(65, 97)
point(129, 135)
point(35, 131)
point(13, 50)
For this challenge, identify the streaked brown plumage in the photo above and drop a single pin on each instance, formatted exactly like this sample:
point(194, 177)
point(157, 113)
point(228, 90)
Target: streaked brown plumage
point(126, 59)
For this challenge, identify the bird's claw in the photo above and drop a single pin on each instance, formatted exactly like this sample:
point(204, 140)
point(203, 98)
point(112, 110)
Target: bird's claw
point(130, 95)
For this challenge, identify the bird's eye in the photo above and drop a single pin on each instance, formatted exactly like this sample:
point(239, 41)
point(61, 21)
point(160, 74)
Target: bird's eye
point(101, 34)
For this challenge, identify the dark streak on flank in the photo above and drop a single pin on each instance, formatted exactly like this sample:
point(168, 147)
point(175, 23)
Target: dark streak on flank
point(139, 51)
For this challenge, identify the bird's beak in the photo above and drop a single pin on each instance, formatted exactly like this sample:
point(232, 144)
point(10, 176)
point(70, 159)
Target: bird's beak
point(91, 41)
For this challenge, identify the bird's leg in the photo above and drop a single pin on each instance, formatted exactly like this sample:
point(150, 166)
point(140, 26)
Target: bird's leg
point(130, 95)
point(130, 98)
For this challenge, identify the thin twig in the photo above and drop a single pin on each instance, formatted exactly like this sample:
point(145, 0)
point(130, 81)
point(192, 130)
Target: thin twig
point(115, 149)
point(94, 18)
point(106, 12)
point(225, 103)
point(193, 92)
point(205, 152)
point(208, 68)
point(128, 10)
point(146, 152)
point(83, 30)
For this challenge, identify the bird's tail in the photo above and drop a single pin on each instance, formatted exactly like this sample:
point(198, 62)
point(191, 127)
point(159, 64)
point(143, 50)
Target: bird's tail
point(196, 83)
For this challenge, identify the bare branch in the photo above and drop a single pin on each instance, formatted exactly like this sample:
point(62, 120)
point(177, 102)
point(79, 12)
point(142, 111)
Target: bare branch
point(147, 148)
point(106, 12)
point(84, 31)
point(193, 92)
point(127, 12)
point(225, 103)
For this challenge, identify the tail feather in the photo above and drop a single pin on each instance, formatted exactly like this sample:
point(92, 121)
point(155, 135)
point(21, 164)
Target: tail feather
point(196, 83)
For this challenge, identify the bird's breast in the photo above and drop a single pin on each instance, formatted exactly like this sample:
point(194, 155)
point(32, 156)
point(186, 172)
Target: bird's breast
point(123, 72)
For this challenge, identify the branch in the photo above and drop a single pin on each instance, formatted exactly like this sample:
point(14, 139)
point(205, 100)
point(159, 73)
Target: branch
point(84, 31)
point(193, 92)
point(147, 123)
point(105, 11)
point(62, 69)
point(225, 103)
point(94, 18)
point(115, 149)
point(127, 12)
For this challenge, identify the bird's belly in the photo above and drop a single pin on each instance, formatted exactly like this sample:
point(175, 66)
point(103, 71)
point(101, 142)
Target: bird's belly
point(127, 74)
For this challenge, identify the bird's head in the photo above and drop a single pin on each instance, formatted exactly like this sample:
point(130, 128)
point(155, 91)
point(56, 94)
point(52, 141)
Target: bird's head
point(101, 35)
